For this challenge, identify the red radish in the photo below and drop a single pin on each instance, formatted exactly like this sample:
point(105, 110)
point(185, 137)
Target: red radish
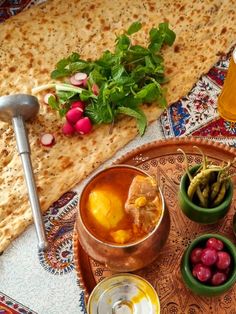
point(74, 114)
point(85, 82)
point(46, 97)
point(68, 129)
point(95, 89)
point(78, 104)
point(75, 82)
point(47, 139)
point(80, 76)
point(83, 126)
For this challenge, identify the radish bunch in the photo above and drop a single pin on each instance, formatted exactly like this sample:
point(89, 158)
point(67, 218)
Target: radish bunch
point(75, 121)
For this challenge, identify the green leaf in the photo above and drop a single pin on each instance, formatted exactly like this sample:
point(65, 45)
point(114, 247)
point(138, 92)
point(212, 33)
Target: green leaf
point(65, 96)
point(122, 43)
point(96, 77)
point(134, 28)
point(53, 103)
point(74, 57)
point(129, 112)
point(167, 33)
point(98, 112)
point(139, 73)
point(142, 123)
point(117, 71)
point(85, 95)
point(62, 64)
point(59, 73)
point(107, 60)
point(135, 113)
point(79, 66)
point(149, 93)
point(149, 63)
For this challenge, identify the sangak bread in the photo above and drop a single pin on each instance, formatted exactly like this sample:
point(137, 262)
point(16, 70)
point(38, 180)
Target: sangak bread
point(33, 41)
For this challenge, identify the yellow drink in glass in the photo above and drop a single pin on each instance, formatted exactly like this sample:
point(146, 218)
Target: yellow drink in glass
point(227, 98)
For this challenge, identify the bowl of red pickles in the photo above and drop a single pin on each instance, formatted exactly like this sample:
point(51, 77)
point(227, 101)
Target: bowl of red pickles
point(208, 265)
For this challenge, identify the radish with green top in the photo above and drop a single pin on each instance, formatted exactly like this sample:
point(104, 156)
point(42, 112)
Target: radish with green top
point(74, 114)
point(78, 104)
point(83, 126)
point(68, 129)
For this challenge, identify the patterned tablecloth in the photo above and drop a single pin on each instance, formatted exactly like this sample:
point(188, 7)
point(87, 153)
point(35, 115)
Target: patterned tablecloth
point(47, 283)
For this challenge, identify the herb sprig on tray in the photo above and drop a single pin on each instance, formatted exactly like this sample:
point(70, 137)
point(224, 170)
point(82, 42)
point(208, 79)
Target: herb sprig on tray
point(125, 79)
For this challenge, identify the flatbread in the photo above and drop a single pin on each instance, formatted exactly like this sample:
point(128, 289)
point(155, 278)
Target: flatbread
point(33, 41)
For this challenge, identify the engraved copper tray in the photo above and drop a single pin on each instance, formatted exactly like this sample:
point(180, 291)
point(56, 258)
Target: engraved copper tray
point(162, 159)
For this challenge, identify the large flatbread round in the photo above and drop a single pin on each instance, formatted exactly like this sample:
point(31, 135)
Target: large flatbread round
point(30, 45)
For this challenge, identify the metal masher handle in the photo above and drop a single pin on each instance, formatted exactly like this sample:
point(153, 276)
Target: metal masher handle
point(24, 152)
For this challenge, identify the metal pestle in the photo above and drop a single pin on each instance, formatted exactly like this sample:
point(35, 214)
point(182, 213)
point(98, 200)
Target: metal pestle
point(19, 108)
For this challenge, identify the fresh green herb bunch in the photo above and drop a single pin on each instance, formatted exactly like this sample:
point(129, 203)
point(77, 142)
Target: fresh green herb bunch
point(128, 77)
point(208, 185)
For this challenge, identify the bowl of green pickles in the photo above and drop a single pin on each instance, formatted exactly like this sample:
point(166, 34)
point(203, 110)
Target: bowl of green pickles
point(206, 191)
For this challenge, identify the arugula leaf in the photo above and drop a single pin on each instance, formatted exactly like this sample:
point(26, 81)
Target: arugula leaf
point(134, 28)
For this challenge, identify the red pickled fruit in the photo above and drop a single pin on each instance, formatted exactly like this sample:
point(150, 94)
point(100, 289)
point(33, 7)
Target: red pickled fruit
point(218, 278)
point(209, 256)
point(223, 261)
point(201, 272)
point(195, 256)
point(214, 243)
point(227, 270)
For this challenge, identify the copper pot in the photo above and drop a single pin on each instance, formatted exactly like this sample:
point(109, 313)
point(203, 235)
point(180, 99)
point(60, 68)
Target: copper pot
point(126, 257)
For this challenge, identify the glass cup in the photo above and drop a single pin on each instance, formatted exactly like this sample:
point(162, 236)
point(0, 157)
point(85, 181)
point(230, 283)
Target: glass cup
point(227, 98)
point(124, 294)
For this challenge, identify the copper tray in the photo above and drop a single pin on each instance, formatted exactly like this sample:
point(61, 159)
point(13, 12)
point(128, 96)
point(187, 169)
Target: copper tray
point(162, 159)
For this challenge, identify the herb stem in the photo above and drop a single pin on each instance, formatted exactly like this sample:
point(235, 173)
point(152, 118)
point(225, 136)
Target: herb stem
point(41, 88)
point(63, 87)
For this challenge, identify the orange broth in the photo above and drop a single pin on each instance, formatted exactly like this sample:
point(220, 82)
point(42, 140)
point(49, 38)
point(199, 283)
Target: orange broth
point(118, 180)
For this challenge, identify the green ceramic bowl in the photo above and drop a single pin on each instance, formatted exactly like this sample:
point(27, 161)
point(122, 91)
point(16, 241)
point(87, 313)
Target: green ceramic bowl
point(234, 224)
point(192, 283)
point(200, 214)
